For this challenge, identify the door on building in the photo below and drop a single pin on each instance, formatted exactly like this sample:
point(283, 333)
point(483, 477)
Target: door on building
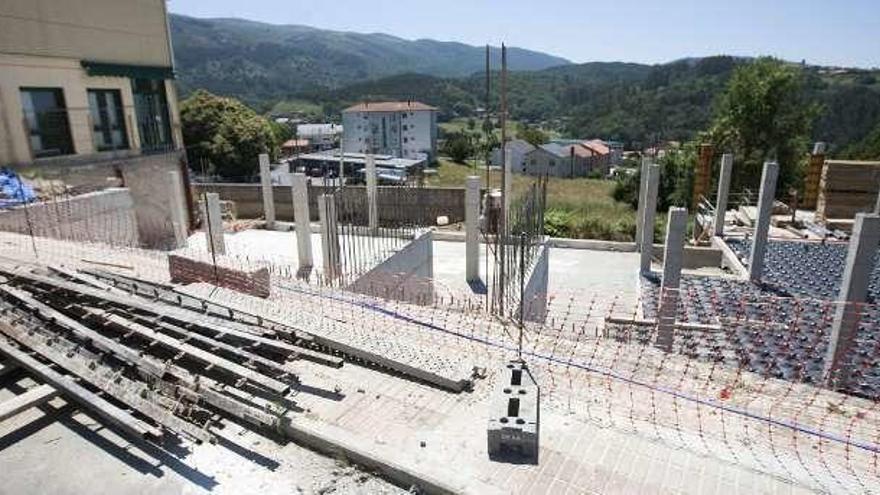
point(151, 109)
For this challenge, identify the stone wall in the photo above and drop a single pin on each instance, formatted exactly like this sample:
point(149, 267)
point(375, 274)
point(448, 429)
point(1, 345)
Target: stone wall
point(106, 217)
point(185, 270)
point(422, 205)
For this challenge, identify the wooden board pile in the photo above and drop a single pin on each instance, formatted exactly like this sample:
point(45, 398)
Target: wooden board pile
point(847, 188)
point(151, 367)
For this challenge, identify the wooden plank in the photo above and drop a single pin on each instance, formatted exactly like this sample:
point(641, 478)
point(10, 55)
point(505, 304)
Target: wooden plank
point(131, 393)
point(67, 386)
point(231, 367)
point(32, 398)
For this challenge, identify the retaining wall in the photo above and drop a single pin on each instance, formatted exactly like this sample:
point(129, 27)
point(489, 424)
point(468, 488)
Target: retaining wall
point(106, 217)
point(535, 293)
point(407, 275)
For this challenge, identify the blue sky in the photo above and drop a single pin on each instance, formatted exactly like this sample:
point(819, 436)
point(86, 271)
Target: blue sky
point(841, 32)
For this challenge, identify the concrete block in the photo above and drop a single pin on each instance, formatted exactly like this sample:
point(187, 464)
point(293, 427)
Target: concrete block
point(514, 428)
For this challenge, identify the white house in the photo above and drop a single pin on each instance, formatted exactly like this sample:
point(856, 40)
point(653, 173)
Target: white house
point(320, 136)
point(404, 129)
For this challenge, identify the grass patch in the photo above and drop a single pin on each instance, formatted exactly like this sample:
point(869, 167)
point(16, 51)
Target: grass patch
point(576, 208)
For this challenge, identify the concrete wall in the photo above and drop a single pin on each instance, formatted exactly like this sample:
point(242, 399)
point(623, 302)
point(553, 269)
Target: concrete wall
point(106, 217)
point(117, 31)
point(146, 178)
point(407, 275)
point(414, 204)
point(535, 293)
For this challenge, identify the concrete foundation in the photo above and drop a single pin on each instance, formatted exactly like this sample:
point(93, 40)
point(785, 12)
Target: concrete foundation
point(513, 430)
point(762, 222)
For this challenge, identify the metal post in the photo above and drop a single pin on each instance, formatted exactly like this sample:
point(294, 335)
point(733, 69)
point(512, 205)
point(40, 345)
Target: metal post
point(652, 187)
point(268, 199)
point(472, 228)
point(676, 229)
point(723, 192)
point(302, 218)
point(766, 197)
point(863, 244)
point(372, 194)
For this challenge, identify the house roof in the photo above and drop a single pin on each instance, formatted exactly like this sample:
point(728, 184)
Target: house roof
point(520, 145)
point(389, 106)
point(598, 147)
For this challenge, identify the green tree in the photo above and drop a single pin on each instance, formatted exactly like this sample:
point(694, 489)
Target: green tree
point(459, 147)
point(763, 114)
point(866, 149)
point(226, 134)
point(532, 135)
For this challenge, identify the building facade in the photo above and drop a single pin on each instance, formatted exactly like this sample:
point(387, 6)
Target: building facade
point(566, 159)
point(87, 93)
point(320, 136)
point(404, 129)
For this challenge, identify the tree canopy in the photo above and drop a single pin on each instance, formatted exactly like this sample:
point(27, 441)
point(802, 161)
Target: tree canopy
point(763, 114)
point(225, 135)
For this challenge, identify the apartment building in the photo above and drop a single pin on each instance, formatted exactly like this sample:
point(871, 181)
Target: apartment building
point(87, 93)
point(404, 129)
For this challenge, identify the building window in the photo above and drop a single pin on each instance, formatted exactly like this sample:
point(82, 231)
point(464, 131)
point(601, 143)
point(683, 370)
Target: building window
point(151, 109)
point(108, 120)
point(405, 140)
point(552, 163)
point(45, 115)
point(404, 127)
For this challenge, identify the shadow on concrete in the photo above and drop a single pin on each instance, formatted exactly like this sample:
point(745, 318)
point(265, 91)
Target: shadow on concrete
point(255, 457)
point(319, 392)
point(514, 457)
point(478, 286)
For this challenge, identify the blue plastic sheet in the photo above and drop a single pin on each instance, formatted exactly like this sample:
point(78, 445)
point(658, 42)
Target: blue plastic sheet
point(13, 190)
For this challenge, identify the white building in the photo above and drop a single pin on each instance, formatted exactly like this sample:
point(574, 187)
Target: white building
point(405, 129)
point(320, 136)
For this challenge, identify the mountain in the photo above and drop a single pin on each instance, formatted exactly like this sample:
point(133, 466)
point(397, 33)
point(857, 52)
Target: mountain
point(257, 61)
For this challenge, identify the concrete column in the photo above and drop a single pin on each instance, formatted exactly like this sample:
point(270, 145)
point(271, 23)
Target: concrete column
point(302, 217)
point(676, 229)
point(762, 223)
point(341, 166)
point(212, 222)
point(652, 187)
point(723, 192)
point(177, 205)
point(640, 211)
point(268, 199)
point(853, 293)
point(472, 228)
point(329, 236)
point(372, 194)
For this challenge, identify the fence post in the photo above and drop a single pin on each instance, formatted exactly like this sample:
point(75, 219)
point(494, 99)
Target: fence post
point(853, 293)
point(178, 208)
point(329, 236)
point(302, 217)
point(640, 209)
point(676, 229)
point(268, 199)
point(372, 194)
point(766, 197)
point(723, 192)
point(649, 213)
point(212, 222)
point(472, 228)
